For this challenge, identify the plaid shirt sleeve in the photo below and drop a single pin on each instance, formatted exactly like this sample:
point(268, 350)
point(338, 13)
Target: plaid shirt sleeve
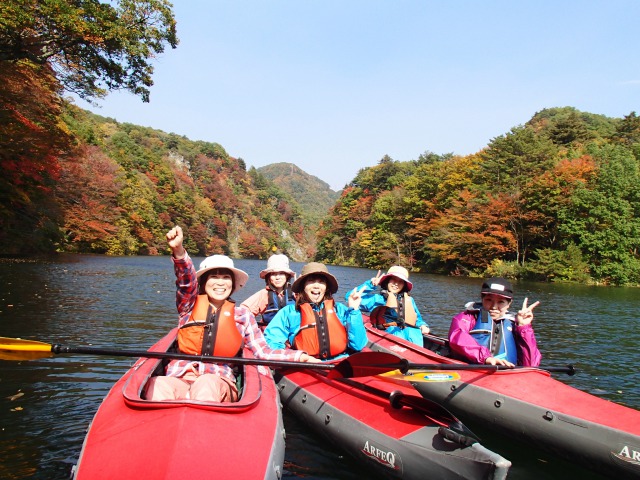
point(186, 287)
point(254, 339)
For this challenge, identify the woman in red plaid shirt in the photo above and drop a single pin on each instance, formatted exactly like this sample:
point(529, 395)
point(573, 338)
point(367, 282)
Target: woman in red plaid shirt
point(201, 297)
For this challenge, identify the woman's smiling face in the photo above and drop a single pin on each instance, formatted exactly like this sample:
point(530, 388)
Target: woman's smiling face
point(395, 285)
point(496, 305)
point(218, 286)
point(315, 287)
point(278, 280)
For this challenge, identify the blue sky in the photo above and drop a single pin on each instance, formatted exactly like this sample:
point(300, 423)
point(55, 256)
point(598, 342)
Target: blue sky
point(334, 85)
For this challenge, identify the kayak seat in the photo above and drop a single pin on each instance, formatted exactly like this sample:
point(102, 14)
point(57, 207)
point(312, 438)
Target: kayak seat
point(237, 370)
point(437, 345)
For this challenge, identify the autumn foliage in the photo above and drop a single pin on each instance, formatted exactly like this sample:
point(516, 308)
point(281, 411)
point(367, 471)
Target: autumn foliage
point(555, 199)
point(32, 140)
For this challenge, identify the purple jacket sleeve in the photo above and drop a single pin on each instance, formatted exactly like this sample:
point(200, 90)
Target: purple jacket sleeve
point(462, 343)
point(528, 353)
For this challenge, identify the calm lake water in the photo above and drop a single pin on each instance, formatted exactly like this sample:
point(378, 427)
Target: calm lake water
point(129, 302)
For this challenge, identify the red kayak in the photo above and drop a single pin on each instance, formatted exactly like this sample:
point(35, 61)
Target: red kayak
point(388, 428)
point(133, 438)
point(526, 404)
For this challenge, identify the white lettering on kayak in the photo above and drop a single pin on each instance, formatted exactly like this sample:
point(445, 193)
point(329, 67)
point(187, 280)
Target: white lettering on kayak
point(386, 458)
point(397, 348)
point(628, 455)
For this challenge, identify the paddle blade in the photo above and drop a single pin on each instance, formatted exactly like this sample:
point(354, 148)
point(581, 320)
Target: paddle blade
point(366, 364)
point(17, 349)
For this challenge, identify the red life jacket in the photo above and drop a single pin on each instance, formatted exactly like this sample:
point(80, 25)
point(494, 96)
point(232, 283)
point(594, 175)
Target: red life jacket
point(321, 334)
point(210, 333)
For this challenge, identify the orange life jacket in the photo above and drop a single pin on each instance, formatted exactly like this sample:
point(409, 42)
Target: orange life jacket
point(406, 314)
point(321, 334)
point(210, 333)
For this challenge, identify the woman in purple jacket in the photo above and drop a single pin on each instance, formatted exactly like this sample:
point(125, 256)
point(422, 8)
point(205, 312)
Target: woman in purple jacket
point(486, 333)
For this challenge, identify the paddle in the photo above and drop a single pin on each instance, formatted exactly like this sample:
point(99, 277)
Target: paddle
point(450, 426)
point(376, 363)
point(361, 364)
point(19, 349)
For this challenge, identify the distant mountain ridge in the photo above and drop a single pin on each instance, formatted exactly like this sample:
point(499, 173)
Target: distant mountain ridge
point(314, 196)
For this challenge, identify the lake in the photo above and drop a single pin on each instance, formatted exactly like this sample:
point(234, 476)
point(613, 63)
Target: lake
point(129, 302)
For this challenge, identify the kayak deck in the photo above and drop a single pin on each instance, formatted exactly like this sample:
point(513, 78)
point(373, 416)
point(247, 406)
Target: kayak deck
point(133, 438)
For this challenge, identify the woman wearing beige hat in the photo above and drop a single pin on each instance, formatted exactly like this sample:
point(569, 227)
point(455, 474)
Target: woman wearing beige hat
point(265, 303)
point(316, 323)
point(393, 309)
point(204, 296)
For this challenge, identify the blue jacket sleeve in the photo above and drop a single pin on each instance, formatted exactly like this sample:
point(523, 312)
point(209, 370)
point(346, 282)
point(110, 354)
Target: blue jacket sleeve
point(283, 327)
point(352, 320)
point(370, 298)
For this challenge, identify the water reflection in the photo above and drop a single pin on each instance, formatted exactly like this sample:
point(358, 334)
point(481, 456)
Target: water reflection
point(129, 303)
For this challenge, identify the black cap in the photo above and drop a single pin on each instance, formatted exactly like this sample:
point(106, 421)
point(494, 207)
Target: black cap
point(498, 286)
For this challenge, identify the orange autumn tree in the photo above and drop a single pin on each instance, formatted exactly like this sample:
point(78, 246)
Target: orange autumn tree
point(551, 191)
point(472, 232)
point(87, 193)
point(32, 137)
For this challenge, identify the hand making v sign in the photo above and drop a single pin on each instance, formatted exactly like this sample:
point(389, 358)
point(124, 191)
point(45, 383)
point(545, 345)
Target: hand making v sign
point(525, 315)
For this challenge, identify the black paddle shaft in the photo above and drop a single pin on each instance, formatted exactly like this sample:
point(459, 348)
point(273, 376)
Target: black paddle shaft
point(192, 358)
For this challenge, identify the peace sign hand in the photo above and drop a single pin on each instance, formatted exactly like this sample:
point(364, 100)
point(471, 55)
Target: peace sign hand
point(355, 298)
point(376, 280)
point(525, 315)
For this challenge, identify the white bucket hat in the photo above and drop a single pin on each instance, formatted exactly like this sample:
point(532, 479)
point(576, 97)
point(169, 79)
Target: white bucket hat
point(277, 263)
point(222, 261)
point(398, 272)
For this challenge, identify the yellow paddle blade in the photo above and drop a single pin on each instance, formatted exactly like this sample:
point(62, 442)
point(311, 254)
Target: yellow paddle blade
point(19, 349)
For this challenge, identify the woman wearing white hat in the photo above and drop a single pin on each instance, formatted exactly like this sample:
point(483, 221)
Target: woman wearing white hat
point(277, 293)
point(316, 323)
point(393, 309)
point(204, 296)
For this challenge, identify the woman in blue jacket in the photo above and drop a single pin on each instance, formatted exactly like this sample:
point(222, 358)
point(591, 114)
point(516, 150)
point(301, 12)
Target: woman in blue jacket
point(393, 309)
point(316, 324)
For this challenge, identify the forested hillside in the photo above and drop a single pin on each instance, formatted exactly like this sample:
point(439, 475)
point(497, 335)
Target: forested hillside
point(314, 196)
point(554, 199)
point(128, 185)
point(120, 187)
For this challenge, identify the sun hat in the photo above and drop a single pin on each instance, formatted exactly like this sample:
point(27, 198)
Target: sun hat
point(497, 286)
point(277, 263)
point(315, 268)
point(222, 261)
point(398, 272)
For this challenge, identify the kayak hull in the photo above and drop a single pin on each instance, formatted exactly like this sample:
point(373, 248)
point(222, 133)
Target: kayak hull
point(395, 443)
point(527, 405)
point(133, 438)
